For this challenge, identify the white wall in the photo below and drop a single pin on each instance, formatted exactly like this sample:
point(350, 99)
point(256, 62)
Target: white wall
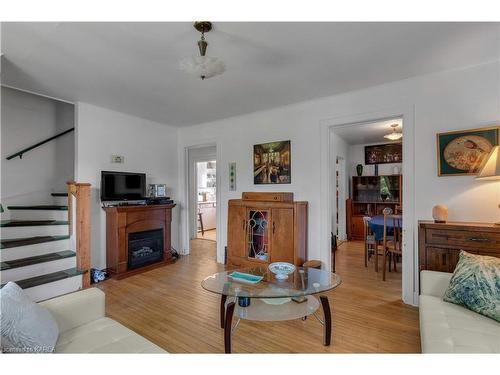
point(26, 120)
point(148, 147)
point(458, 99)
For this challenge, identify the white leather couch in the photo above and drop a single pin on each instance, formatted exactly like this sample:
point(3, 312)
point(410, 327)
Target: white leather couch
point(84, 328)
point(449, 328)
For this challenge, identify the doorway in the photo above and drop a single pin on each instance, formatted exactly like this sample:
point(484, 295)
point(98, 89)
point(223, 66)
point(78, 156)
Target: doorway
point(367, 180)
point(206, 185)
point(202, 181)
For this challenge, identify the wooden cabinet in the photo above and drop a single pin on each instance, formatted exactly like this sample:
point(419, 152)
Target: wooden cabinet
point(440, 243)
point(266, 228)
point(370, 195)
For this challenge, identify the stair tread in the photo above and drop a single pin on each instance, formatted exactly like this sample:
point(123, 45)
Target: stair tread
point(48, 278)
point(23, 262)
point(30, 223)
point(15, 242)
point(59, 194)
point(40, 207)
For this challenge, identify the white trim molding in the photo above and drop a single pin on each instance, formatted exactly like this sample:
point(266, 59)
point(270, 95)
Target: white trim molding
point(410, 245)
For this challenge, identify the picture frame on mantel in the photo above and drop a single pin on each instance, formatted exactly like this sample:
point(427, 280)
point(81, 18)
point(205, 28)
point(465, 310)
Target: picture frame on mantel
point(462, 152)
point(272, 163)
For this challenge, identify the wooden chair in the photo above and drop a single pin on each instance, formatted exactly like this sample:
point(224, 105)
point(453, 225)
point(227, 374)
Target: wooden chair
point(392, 245)
point(370, 242)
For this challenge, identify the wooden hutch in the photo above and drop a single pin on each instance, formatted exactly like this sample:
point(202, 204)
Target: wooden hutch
point(370, 195)
point(265, 228)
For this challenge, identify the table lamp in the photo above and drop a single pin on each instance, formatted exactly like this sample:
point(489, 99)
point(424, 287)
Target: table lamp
point(490, 170)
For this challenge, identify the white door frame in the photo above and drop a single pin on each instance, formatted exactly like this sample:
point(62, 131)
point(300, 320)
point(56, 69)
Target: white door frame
point(343, 193)
point(410, 245)
point(185, 191)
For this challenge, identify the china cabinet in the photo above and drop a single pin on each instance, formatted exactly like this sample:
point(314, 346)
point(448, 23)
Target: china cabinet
point(265, 228)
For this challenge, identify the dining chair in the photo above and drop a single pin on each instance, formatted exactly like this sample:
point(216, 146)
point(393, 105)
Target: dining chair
point(371, 244)
point(392, 245)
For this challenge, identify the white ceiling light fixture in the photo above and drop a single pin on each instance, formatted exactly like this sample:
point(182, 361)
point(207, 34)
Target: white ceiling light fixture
point(203, 66)
point(394, 135)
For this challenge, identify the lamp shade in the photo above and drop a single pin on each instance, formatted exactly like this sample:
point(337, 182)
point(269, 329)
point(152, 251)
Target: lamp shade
point(490, 170)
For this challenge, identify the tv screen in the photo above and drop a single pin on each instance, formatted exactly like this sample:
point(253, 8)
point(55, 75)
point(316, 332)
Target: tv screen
point(121, 186)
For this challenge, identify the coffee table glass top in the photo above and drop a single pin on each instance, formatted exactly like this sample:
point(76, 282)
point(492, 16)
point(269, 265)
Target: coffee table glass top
point(302, 282)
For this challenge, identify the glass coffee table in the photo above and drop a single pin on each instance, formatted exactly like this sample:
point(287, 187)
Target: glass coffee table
point(271, 299)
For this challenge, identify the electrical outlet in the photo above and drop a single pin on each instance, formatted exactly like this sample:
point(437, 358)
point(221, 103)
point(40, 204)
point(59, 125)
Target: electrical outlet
point(117, 159)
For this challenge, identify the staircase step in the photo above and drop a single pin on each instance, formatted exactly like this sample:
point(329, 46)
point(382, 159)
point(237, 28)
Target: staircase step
point(26, 251)
point(27, 229)
point(59, 194)
point(40, 207)
point(11, 264)
point(15, 242)
point(53, 284)
point(30, 223)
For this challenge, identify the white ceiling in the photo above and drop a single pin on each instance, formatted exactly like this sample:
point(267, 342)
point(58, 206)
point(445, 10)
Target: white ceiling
point(133, 67)
point(372, 132)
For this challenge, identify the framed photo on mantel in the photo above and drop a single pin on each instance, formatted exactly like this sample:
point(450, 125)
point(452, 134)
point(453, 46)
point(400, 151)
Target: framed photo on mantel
point(272, 163)
point(462, 152)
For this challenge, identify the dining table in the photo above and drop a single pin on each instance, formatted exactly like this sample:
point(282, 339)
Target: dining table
point(377, 226)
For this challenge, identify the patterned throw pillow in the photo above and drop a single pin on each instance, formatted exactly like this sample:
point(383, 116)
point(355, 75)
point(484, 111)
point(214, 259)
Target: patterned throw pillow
point(26, 327)
point(475, 284)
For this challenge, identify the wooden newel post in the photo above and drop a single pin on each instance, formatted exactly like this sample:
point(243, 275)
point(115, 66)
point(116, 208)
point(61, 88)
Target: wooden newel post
point(81, 226)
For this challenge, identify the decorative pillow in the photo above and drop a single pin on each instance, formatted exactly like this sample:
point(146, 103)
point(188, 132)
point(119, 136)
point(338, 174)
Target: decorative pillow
point(26, 327)
point(475, 284)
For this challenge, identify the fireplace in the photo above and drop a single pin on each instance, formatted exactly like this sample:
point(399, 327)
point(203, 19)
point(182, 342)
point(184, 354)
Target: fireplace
point(145, 248)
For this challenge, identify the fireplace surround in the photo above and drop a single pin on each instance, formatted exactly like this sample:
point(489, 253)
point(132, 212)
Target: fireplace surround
point(127, 251)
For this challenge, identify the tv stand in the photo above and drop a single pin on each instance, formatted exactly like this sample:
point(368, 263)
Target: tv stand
point(124, 220)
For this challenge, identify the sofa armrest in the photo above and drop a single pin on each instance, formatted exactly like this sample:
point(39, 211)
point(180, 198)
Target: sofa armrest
point(433, 283)
point(78, 308)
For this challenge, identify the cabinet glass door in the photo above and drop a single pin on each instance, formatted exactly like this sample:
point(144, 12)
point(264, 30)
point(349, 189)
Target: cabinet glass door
point(258, 234)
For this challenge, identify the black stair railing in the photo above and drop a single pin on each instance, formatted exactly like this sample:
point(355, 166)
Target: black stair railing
point(20, 153)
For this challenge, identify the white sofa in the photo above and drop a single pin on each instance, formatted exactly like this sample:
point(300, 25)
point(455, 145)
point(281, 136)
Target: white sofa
point(449, 328)
point(84, 328)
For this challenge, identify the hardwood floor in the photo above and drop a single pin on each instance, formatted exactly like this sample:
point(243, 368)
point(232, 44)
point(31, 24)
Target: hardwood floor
point(168, 306)
point(210, 235)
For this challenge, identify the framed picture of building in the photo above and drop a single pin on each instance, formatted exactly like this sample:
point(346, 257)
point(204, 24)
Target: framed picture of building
point(272, 163)
point(461, 153)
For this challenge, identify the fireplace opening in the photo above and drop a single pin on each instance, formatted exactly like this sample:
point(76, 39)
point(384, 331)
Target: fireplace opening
point(145, 248)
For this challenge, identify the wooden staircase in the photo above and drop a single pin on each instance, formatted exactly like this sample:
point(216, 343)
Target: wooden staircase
point(45, 249)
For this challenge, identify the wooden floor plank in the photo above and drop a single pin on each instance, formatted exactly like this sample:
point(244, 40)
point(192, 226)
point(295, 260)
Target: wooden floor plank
point(168, 306)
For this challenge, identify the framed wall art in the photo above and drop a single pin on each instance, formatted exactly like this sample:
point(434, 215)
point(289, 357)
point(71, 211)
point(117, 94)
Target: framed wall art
point(272, 163)
point(384, 154)
point(461, 153)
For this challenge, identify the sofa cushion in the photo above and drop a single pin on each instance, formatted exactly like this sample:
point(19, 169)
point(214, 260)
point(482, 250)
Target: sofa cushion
point(104, 335)
point(475, 284)
point(26, 327)
point(449, 328)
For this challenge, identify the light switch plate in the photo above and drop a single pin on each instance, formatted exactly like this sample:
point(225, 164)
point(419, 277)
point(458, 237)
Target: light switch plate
point(117, 159)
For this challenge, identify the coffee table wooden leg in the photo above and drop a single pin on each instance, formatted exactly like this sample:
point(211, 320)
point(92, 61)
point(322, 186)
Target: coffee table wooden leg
point(327, 335)
point(223, 299)
point(228, 327)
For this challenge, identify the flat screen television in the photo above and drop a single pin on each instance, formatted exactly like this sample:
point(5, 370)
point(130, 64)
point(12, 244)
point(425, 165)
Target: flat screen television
point(122, 186)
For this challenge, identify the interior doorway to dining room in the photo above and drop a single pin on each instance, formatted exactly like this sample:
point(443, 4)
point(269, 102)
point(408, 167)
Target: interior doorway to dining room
point(367, 201)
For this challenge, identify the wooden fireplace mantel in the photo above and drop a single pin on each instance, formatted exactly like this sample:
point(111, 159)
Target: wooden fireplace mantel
point(123, 220)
